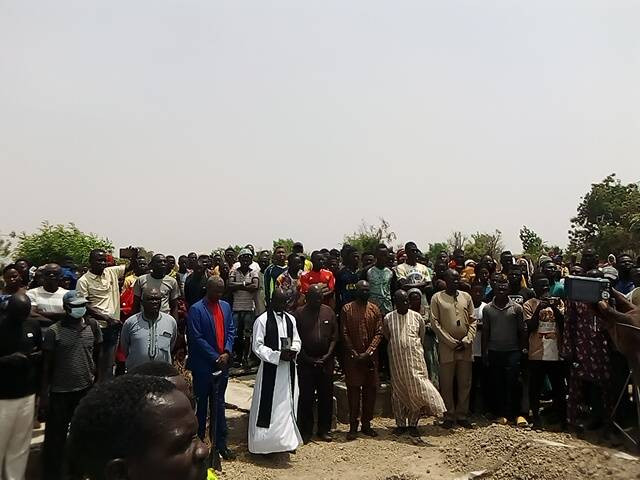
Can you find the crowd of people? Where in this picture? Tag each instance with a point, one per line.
(454, 337)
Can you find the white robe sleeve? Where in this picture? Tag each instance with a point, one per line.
(263, 352)
(296, 343)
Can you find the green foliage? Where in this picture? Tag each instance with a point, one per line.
(484, 244)
(220, 250)
(5, 248)
(608, 219)
(368, 236)
(143, 252)
(287, 243)
(55, 243)
(434, 249)
(532, 243)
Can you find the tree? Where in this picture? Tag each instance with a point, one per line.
(368, 236)
(5, 248)
(457, 241)
(484, 244)
(607, 218)
(287, 243)
(56, 243)
(434, 249)
(532, 243)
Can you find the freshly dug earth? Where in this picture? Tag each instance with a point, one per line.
(503, 452)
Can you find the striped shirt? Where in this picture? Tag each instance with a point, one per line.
(72, 349)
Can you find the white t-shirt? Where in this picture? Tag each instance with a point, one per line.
(47, 302)
(477, 341)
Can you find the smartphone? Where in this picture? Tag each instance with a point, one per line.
(126, 253)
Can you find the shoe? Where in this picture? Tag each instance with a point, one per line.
(594, 424)
(464, 423)
(537, 423)
(501, 421)
(448, 424)
(306, 439)
(521, 422)
(398, 431)
(369, 432)
(325, 437)
(413, 432)
(227, 454)
(352, 435)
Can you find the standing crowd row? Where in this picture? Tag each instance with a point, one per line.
(453, 335)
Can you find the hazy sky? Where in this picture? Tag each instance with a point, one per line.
(186, 125)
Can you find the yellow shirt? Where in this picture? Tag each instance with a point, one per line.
(103, 291)
(129, 280)
(453, 320)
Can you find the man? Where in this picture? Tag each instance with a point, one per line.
(264, 260)
(318, 330)
(26, 271)
(362, 333)
(452, 318)
(12, 280)
(211, 332)
(367, 261)
(244, 283)
(506, 261)
(625, 283)
(100, 287)
(458, 259)
(347, 277)
(272, 420)
(146, 429)
(298, 249)
(46, 300)
(545, 324)
(20, 350)
(158, 280)
(171, 266)
(634, 295)
(589, 260)
(556, 288)
(319, 275)
(183, 271)
(480, 377)
(504, 340)
(289, 281)
(195, 284)
(71, 352)
(411, 273)
(230, 257)
(413, 394)
(149, 335)
(273, 271)
(379, 278)
(140, 267)
(517, 293)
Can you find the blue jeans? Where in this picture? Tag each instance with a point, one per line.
(209, 392)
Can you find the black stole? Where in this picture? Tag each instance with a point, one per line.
(269, 370)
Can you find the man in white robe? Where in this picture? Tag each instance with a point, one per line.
(272, 420)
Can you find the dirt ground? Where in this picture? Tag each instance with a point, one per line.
(501, 452)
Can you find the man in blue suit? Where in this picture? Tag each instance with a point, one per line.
(211, 333)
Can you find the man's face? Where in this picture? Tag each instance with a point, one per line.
(506, 260)
(183, 263)
(295, 264)
(174, 449)
(230, 257)
(483, 275)
(334, 265)
(477, 294)
(541, 287)
(412, 254)
(443, 257)
(502, 288)
(141, 266)
(362, 291)
(635, 276)
(51, 275)
(549, 269)
(215, 292)
(279, 256)
(318, 261)
(452, 278)
(245, 261)
(159, 265)
(415, 301)
(368, 260)
(98, 263)
(589, 260)
(192, 261)
(314, 297)
(171, 263)
(204, 262)
(514, 276)
(624, 264)
(382, 256)
(263, 260)
(151, 304)
(402, 302)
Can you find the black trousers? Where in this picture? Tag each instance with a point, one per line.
(479, 399)
(504, 368)
(61, 408)
(314, 383)
(556, 373)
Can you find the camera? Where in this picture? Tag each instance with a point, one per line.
(586, 289)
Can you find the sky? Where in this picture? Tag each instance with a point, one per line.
(190, 125)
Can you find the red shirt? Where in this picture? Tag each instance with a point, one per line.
(218, 324)
(311, 278)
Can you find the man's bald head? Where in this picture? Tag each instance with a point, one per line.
(315, 295)
(18, 307)
(215, 288)
(278, 300)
